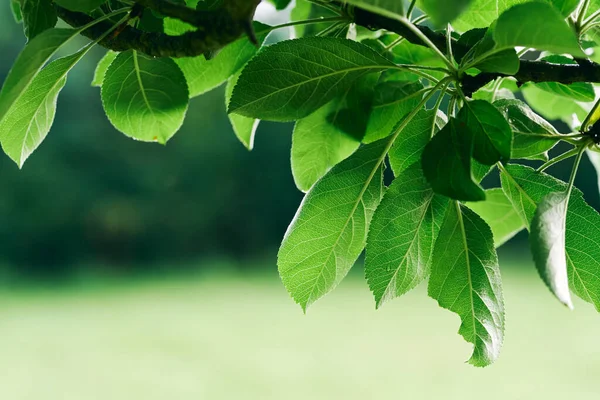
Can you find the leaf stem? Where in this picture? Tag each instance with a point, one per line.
(304, 22)
(437, 106)
(417, 32)
(582, 11)
(580, 150)
(411, 7)
(557, 159)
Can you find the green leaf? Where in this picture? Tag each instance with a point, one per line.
(392, 101)
(387, 8)
(38, 16)
(243, 127)
(409, 53)
(465, 279)
(291, 79)
(446, 163)
(553, 107)
(526, 188)
(102, 66)
(145, 98)
(579, 91)
(482, 13)
(489, 60)
(80, 5)
(408, 147)
(203, 75)
(330, 228)
(497, 211)
(443, 11)
(28, 65)
(318, 145)
(15, 7)
(565, 7)
(500, 88)
(533, 136)
(547, 240)
(302, 10)
(539, 25)
(280, 4)
(28, 122)
(492, 136)
(402, 234)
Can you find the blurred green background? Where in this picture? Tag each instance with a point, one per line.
(132, 270)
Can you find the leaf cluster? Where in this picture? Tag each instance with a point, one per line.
(364, 99)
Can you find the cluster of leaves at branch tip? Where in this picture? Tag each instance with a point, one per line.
(367, 86)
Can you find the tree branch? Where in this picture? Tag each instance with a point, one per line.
(529, 71)
(216, 29)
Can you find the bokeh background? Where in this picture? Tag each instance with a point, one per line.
(132, 270)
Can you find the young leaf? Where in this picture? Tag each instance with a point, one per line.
(291, 79)
(446, 163)
(402, 235)
(80, 5)
(243, 127)
(330, 228)
(533, 136)
(102, 66)
(506, 61)
(38, 16)
(526, 188)
(203, 75)
(408, 147)
(539, 25)
(547, 239)
(497, 211)
(318, 144)
(465, 279)
(26, 125)
(392, 101)
(145, 98)
(29, 63)
(492, 136)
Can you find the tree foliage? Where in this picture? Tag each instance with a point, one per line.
(430, 88)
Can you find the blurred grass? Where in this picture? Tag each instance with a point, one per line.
(236, 336)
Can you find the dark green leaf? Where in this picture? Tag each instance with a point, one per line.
(330, 228)
(547, 239)
(388, 8)
(465, 279)
(402, 235)
(491, 134)
(533, 136)
(15, 7)
(446, 163)
(145, 98)
(80, 5)
(38, 16)
(292, 79)
(497, 211)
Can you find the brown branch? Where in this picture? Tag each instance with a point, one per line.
(529, 71)
(215, 29)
